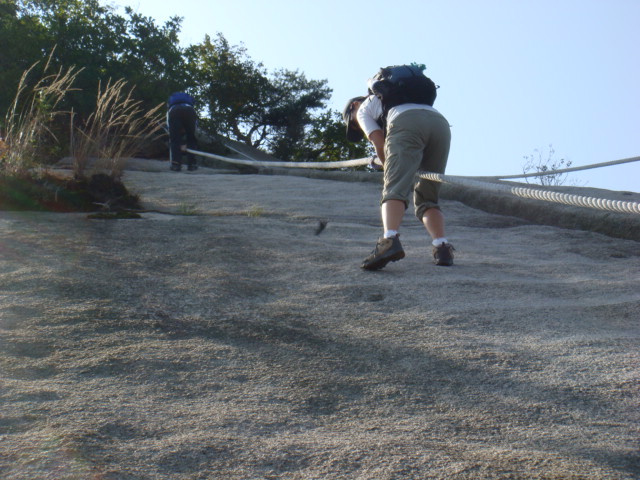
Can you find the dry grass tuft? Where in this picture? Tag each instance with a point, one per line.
(115, 130)
(26, 122)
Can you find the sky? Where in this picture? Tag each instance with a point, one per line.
(515, 76)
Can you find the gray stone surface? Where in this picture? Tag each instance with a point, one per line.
(220, 337)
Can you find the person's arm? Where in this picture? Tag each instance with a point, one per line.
(369, 111)
(377, 139)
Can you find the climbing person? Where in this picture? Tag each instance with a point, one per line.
(408, 135)
(181, 122)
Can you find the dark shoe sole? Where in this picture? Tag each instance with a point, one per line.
(381, 262)
(443, 263)
(443, 255)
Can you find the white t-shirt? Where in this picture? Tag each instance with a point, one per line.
(368, 114)
(371, 110)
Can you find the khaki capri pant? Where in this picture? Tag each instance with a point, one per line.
(416, 140)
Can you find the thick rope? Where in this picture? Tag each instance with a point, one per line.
(256, 163)
(525, 192)
(538, 194)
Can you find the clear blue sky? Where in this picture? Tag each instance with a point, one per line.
(515, 76)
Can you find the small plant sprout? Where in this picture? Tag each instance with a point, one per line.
(255, 211)
(187, 209)
(542, 163)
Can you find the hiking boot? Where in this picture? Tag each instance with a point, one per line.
(443, 254)
(191, 167)
(387, 250)
(176, 167)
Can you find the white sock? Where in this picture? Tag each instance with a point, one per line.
(390, 233)
(439, 241)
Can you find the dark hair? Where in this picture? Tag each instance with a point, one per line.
(354, 132)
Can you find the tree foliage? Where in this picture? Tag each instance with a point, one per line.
(22, 40)
(231, 88)
(293, 108)
(326, 141)
(88, 35)
(282, 112)
(244, 101)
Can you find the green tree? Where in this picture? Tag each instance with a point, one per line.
(83, 34)
(282, 112)
(91, 36)
(291, 111)
(231, 88)
(326, 141)
(152, 59)
(22, 38)
(243, 101)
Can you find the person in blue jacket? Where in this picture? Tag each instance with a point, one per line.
(181, 121)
